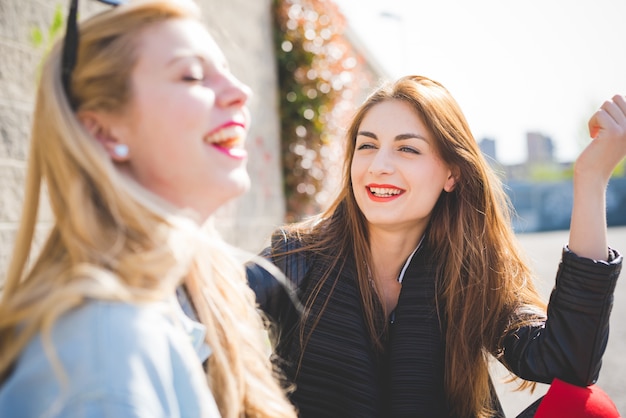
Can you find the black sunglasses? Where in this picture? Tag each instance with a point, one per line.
(70, 44)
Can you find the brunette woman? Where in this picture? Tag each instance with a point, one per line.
(413, 278)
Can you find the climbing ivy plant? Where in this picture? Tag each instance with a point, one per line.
(316, 70)
(41, 39)
(44, 40)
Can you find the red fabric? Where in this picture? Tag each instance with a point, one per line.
(565, 400)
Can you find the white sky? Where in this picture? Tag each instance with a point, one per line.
(513, 66)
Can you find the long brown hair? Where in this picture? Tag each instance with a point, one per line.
(111, 239)
(482, 277)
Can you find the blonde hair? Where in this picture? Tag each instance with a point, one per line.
(111, 239)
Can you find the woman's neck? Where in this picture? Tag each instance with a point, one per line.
(390, 250)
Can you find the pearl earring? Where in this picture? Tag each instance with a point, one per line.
(121, 150)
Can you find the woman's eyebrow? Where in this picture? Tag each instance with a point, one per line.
(188, 56)
(399, 137)
(367, 133)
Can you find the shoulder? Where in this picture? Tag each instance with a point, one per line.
(110, 353)
(108, 331)
(104, 331)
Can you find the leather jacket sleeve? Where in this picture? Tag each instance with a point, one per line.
(277, 299)
(268, 290)
(570, 343)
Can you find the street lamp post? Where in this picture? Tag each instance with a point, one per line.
(401, 43)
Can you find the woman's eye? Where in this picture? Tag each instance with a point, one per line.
(194, 73)
(410, 150)
(193, 78)
(365, 146)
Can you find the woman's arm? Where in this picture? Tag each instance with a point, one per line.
(569, 345)
(277, 282)
(592, 171)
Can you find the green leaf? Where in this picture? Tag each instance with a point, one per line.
(36, 37)
(58, 22)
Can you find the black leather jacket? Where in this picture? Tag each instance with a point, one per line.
(568, 345)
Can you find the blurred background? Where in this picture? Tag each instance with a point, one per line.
(527, 74)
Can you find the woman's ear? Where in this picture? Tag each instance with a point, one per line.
(100, 127)
(450, 183)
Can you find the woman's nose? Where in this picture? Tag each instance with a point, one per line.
(234, 92)
(381, 163)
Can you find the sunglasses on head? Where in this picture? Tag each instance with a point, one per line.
(70, 44)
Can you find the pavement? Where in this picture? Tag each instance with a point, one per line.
(544, 250)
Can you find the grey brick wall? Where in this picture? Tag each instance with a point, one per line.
(246, 39)
(244, 30)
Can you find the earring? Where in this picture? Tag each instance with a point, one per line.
(121, 150)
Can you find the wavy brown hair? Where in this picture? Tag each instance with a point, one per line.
(482, 277)
(111, 239)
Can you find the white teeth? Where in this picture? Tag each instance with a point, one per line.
(226, 134)
(384, 191)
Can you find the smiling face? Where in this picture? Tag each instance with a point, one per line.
(397, 175)
(187, 119)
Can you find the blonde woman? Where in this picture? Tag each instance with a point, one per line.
(138, 137)
(413, 278)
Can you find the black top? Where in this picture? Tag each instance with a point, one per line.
(340, 374)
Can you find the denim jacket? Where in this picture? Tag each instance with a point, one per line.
(118, 360)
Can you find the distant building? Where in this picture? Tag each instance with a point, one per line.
(540, 148)
(515, 172)
(488, 148)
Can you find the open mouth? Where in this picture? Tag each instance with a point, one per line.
(384, 191)
(228, 137)
(229, 140)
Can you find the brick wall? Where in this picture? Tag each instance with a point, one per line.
(246, 39)
(243, 28)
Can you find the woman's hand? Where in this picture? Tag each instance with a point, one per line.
(607, 127)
